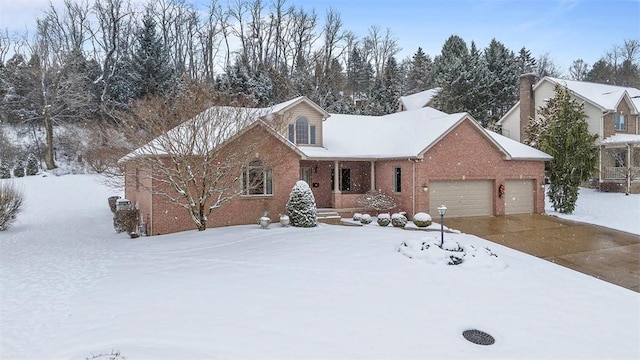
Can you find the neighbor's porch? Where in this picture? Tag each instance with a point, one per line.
(620, 167)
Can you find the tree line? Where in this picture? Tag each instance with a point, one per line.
(89, 61)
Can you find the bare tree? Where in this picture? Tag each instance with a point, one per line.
(545, 66)
(579, 70)
(195, 164)
(380, 47)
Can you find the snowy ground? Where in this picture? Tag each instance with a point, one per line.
(613, 210)
(72, 288)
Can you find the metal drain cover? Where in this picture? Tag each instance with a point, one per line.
(478, 337)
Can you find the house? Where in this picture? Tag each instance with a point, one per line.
(422, 157)
(612, 114)
(418, 100)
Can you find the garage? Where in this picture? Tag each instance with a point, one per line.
(462, 197)
(518, 197)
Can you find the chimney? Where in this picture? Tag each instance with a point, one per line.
(527, 102)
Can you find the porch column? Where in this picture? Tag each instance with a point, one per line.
(336, 176)
(373, 175)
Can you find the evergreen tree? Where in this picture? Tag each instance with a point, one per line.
(419, 74)
(18, 170)
(526, 62)
(151, 73)
(5, 171)
(568, 140)
(359, 75)
(478, 77)
(503, 88)
(302, 206)
(451, 74)
(32, 165)
(384, 95)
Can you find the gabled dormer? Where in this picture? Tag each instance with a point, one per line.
(622, 119)
(301, 121)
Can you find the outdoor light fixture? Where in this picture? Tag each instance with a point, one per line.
(442, 210)
(425, 187)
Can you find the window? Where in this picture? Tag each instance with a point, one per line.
(256, 180)
(302, 130)
(620, 122)
(305, 174)
(312, 134)
(292, 132)
(345, 179)
(397, 179)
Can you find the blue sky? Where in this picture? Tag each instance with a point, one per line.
(566, 29)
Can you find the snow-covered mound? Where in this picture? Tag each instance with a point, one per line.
(451, 253)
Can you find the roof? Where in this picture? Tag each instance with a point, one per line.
(226, 121)
(621, 139)
(604, 96)
(406, 134)
(420, 99)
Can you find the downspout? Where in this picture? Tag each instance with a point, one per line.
(413, 187)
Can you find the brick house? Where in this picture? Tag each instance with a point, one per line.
(612, 114)
(423, 158)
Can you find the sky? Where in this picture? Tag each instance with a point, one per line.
(566, 29)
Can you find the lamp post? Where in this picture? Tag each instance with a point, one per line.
(442, 210)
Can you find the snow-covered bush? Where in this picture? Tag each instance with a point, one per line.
(376, 200)
(365, 219)
(32, 165)
(398, 220)
(5, 170)
(384, 219)
(11, 200)
(422, 219)
(302, 206)
(357, 217)
(451, 253)
(18, 170)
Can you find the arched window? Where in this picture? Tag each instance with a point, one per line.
(302, 130)
(256, 179)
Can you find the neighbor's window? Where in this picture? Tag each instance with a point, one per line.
(302, 130)
(620, 121)
(397, 179)
(256, 179)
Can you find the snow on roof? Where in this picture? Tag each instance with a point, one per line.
(621, 139)
(404, 134)
(518, 150)
(605, 96)
(420, 99)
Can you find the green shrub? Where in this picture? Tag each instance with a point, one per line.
(398, 220)
(18, 170)
(32, 165)
(384, 219)
(5, 170)
(422, 219)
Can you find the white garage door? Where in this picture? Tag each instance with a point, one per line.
(462, 198)
(518, 197)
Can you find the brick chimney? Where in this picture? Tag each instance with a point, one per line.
(527, 102)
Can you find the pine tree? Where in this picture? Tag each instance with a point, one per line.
(5, 171)
(32, 165)
(572, 146)
(476, 102)
(302, 206)
(150, 64)
(526, 62)
(503, 88)
(451, 75)
(419, 74)
(18, 170)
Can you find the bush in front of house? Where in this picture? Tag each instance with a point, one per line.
(357, 217)
(18, 170)
(610, 187)
(32, 165)
(126, 221)
(376, 200)
(422, 219)
(5, 170)
(11, 200)
(302, 206)
(384, 219)
(365, 219)
(398, 220)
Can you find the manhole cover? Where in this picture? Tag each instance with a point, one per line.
(478, 337)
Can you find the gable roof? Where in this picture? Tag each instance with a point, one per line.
(240, 120)
(603, 96)
(406, 134)
(420, 99)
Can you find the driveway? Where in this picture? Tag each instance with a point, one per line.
(606, 254)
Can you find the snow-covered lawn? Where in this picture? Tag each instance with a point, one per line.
(613, 210)
(72, 288)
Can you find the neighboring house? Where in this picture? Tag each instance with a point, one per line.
(612, 114)
(423, 158)
(418, 100)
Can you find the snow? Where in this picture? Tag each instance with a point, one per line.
(419, 99)
(621, 139)
(607, 97)
(72, 287)
(421, 216)
(613, 210)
